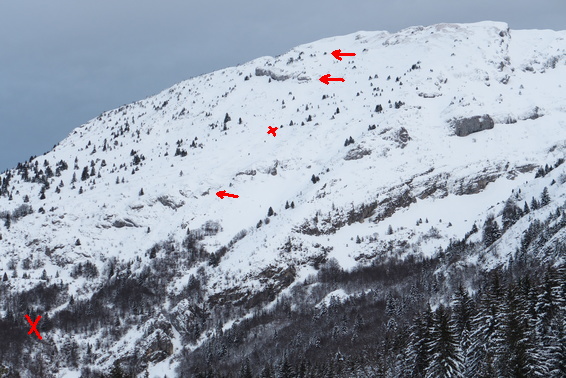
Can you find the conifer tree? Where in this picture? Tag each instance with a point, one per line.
(534, 204)
(549, 326)
(487, 331)
(463, 311)
(544, 197)
(85, 175)
(418, 357)
(245, 370)
(511, 214)
(445, 360)
(491, 230)
(516, 344)
(285, 370)
(116, 371)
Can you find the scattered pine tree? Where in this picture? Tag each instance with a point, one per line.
(544, 197)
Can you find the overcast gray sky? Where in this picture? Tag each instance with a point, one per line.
(63, 62)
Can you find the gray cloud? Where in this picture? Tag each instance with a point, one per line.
(64, 62)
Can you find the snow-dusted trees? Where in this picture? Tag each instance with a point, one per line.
(418, 351)
(245, 370)
(544, 197)
(549, 333)
(487, 332)
(116, 371)
(535, 205)
(491, 231)
(511, 213)
(462, 310)
(70, 352)
(517, 352)
(443, 348)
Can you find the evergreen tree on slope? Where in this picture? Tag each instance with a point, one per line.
(487, 328)
(418, 357)
(445, 359)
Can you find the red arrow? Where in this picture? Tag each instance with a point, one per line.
(223, 193)
(326, 79)
(338, 54)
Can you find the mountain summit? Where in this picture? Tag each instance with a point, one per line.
(436, 135)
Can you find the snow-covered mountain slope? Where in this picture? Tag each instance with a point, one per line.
(383, 164)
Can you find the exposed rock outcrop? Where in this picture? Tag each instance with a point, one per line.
(170, 202)
(402, 137)
(466, 126)
(119, 223)
(280, 75)
(272, 73)
(156, 343)
(357, 153)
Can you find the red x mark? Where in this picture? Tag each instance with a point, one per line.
(272, 130)
(34, 325)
